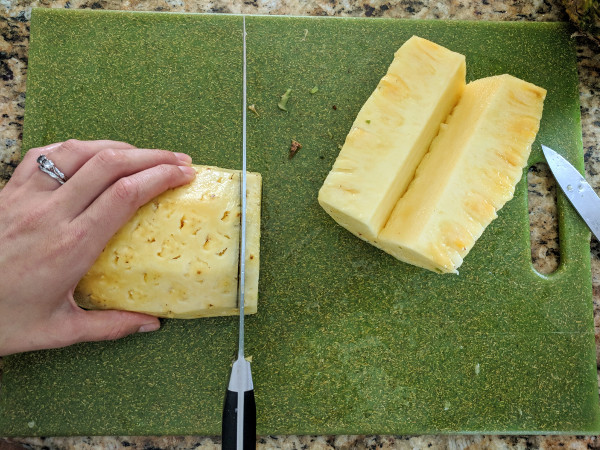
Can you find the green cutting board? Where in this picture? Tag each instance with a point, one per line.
(347, 339)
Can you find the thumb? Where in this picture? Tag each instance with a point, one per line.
(110, 325)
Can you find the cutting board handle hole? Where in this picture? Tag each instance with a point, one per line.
(543, 218)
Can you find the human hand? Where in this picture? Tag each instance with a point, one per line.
(50, 235)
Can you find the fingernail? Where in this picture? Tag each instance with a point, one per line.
(188, 171)
(187, 159)
(153, 326)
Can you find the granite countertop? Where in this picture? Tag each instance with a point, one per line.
(14, 40)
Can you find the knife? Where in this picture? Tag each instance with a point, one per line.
(578, 191)
(238, 427)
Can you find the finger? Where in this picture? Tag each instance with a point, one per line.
(108, 166)
(68, 157)
(111, 325)
(64, 151)
(78, 325)
(122, 200)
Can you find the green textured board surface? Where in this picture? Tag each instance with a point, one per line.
(347, 339)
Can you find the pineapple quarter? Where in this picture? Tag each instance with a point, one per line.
(469, 173)
(390, 135)
(178, 256)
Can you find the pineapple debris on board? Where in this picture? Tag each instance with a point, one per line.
(390, 135)
(469, 173)
(178, 256)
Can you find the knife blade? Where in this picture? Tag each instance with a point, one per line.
(581, 195)
(238, 427)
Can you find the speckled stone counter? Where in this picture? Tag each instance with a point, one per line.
(14, 38)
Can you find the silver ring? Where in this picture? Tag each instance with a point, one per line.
(48, 167)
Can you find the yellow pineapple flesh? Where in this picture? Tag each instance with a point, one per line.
(178, 256)
(469, 173)
(390, 135)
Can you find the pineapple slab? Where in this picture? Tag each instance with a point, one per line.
(178, 256)
(390, 135)
(469, 173)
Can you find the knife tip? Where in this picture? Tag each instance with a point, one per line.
(547, 151)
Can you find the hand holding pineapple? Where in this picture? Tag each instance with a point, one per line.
(50, 235)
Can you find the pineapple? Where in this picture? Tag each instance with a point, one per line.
(390, 135)
(178, 256)
(469, 173)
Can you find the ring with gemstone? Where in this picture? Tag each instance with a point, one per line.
(48, 167)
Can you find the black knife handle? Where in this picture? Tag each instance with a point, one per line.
(229, 424)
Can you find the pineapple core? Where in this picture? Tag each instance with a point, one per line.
(469, 173)
(178, 256)
(390, 135)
